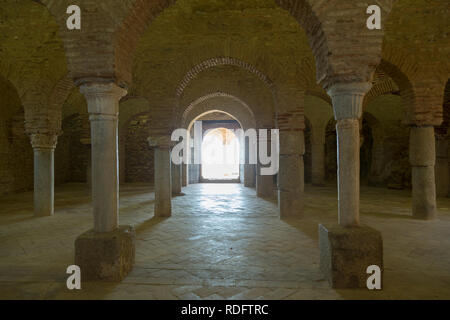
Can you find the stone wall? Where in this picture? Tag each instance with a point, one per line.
(71, 156)
(139, 157)
(384, 149)
(390, 142)
(307, 157)
(16, 154)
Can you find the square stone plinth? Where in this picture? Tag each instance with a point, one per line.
(106, 256)
(345, 254)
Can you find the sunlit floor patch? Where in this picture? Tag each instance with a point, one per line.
(221, 242)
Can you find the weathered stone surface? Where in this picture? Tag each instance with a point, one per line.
(105, 256)
(423, 193)
(290, 204)
(345, 254)
(422, 148)
(176, 178)
(163, 183)
(43, 182)
(264, 185)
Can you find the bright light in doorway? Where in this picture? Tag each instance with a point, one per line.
(220, 155)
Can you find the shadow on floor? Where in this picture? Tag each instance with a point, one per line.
(386, 215)
(134, 207)
(149, 224)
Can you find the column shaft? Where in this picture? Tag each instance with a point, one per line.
(89, 169)
(176, 178)
(264, 183)
(347, 131)
(249, 175)
(105, 175)
(103, 108)
(291, 174)
(184, 177)
(422, 156)
(43, 181)
(347, 106)
(163, 183)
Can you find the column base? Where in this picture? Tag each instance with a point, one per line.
(345, 254)
(163, 210)
(47, 212)
(290, 205)
(105, 256)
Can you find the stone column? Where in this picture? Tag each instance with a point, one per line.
(422, 157)
(184, 173)
(176, 178)
(291, 174)
(103, 108)
(264, 183)
(318, 159)
(347, 105)
(87, 143)
(442, 173)
(249, 175)
(347, 249)
(163, 179)
(44, 181)
(107, 251)
(249, 168)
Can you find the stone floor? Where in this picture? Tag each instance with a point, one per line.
(222, 242)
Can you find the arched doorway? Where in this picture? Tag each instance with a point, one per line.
(220, 155)
(217, 151)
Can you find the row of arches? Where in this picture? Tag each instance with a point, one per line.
(142, 50)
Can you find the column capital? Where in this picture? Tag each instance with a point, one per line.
(348, 99)
(161, 142)
(43, 141)
(97, 92)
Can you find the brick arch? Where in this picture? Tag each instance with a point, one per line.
(219, 101)
(319, 94)
(61, 92)
(143, 12)
(421, 86)
(223, 61)
(197, 88)
(28, 66)
(48, 119)
(126, 114)
(59, 95)
(220, 61)
(6, 83)
(303, 12)
(403, 81)
(387, 86)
